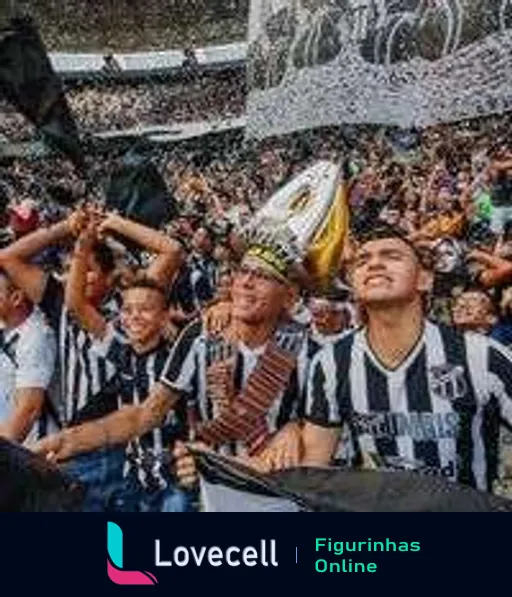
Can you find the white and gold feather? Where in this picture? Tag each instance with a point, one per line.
(303, 203)
(306, 219)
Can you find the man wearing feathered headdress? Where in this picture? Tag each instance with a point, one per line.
(244, 384)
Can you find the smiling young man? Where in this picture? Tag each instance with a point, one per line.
(138, 356)
(86, 377)
(415, 395)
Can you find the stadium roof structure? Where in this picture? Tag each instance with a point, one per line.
(149, 135)
(128, 65)
(178, 132)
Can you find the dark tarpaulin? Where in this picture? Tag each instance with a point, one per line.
(28, 81)
(137, 191)
(228, 486)
(29, 484)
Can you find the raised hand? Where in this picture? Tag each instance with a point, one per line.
(217, 318)
(78, 220)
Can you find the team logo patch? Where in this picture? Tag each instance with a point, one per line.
(448, 381)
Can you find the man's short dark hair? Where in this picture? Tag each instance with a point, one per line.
(148, 284)
(209, 231)
(381, 231)
(104, 256)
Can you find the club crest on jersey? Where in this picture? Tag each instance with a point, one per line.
(448, 381)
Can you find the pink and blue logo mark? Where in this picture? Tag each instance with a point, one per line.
(116, 573)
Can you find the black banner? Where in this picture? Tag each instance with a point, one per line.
(138, 191)
(28, 81)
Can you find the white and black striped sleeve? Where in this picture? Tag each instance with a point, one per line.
(326, 402)
(500, 378)
(181, 370)
(111, 346)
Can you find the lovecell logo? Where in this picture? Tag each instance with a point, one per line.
(115, 561)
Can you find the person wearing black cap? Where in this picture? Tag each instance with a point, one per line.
(415, 395)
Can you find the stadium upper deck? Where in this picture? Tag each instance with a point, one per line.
(122, 25)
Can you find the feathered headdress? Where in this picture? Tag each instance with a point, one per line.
(301, 229)
(273, 242)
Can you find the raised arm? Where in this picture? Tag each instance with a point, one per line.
(31, 244)
(503, 165)
(169, 254)
(15, 258)
(87, 314)
(118, 428)
(496, 270)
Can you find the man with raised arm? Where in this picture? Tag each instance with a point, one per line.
(138, 353)
(257, 390)
(86, 377)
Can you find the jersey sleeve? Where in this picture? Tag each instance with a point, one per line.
(500, 378)
(325, 403)
(180, 371)
(36, 355)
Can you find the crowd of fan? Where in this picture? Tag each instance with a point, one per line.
(103, 107)
(452, 190)
(448, 188)
(87, 25)
(448, 184)
(115, 108)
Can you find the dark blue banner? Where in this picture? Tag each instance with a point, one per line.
(230, 554)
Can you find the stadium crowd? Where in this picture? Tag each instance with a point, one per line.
(103, 107)
(94, 329)
(90, 26)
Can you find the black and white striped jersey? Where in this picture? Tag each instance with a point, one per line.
(84, 375)
(438, 412)
(195, 284)
(202, 272)
(186, 372)
(136, 373)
